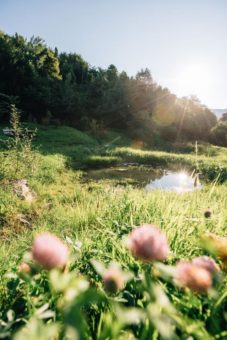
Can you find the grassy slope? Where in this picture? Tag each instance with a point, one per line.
(65, 206)
(99, 214)
(81, 151)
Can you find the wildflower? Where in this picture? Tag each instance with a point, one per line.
(208, 213)
(148, 243)
(49, 251)
(113, 279)
(193, 277)
(207, 263)
(24, 268)
(216, 244)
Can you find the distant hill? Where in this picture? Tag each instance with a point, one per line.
(219, 112)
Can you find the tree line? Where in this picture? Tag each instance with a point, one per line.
(62, 88)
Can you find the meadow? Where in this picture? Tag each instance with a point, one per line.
(93, 218)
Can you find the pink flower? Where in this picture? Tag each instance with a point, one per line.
(113, 280)
(49, 251)
(218, 245)
(207, 263)
(148, 243)
(24, 268)
(193, 277)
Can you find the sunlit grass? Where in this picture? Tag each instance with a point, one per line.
(88, 211)
(100, 213)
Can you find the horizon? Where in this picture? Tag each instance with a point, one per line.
(181, 44)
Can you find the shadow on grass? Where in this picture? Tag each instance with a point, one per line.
(81, 150)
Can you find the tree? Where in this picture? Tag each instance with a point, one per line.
(224, 117)
(52, 85)
(219, 133)
(144, 76)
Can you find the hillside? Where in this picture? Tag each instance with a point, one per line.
(93, 216)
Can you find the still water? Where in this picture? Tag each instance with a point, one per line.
(175, 181)
(147, 177)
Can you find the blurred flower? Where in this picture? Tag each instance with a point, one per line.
(49, 251)
(217, 245)
(24, 268)
(207, 263)
(193, 277)
(148, 243)
(113, 279)
(208, 213)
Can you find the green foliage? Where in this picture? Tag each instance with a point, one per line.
(92, 219)
(17, 160)
(219, 133)
(29, 68)
(54, 88)
(52, 137)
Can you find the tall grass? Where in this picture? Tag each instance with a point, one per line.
(99, 215)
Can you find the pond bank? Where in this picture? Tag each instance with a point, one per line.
(174, 179)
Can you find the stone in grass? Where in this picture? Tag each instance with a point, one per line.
(23, 219)
(23, 191)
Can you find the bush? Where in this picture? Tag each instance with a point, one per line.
(219, 133)
(18, 160)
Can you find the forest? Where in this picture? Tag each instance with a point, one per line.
(62, 88)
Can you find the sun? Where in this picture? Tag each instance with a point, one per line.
(195, 79)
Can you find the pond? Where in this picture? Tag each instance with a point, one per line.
(175, 181)
(147, 177)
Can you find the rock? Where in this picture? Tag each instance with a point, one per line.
(23, 219)
(23, 191)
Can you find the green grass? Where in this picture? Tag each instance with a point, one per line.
(56, 182)
(99, 214)
(52, 137)
(81, 150)
(65, 205)
(66, 208)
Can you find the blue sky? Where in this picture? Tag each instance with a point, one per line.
(182, 42)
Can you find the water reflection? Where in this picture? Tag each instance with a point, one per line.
(146, 177)
(175, 181)
(137, 176)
